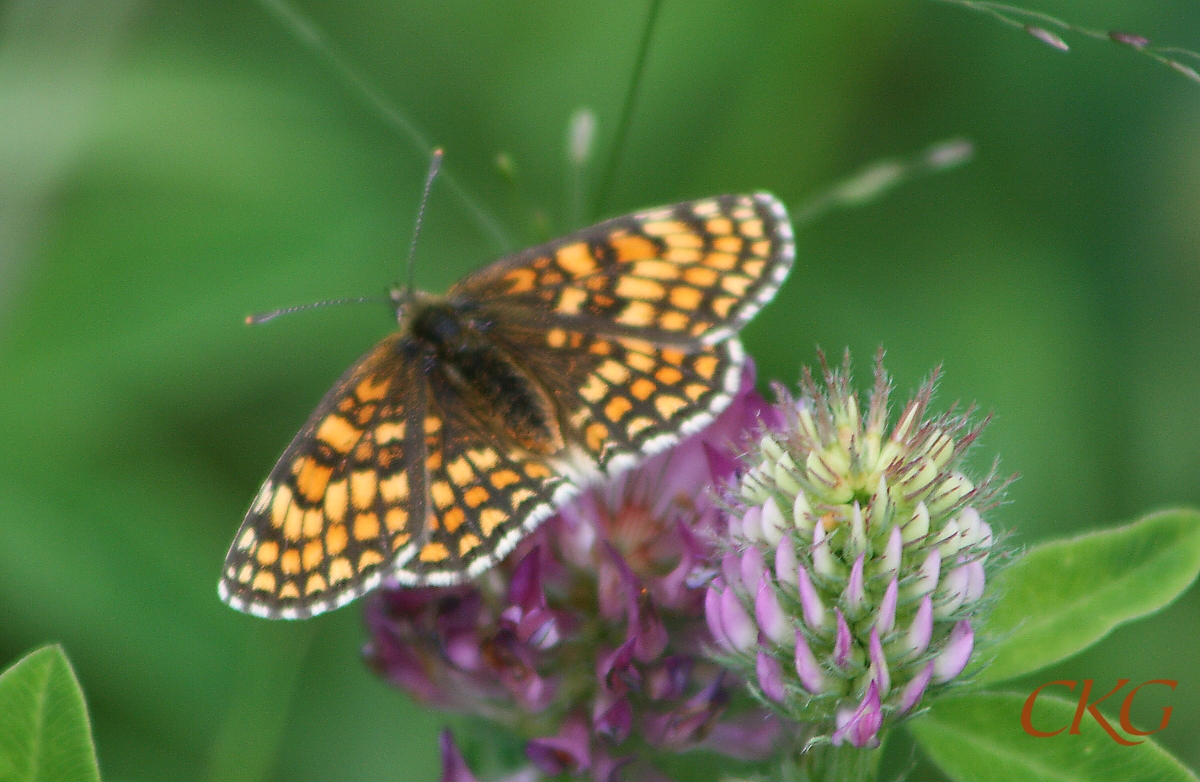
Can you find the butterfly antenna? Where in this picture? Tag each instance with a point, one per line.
(254, 320)
(435, 163)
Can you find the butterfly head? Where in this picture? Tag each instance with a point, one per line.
(413, 306)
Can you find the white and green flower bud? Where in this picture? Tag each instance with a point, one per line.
(917, 526)
(802, 515)
(774, 525)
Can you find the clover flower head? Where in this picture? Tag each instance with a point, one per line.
(852, 573)
(592, 632)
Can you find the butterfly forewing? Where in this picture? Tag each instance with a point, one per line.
(452, 439)
(337, 511)
(696, 271)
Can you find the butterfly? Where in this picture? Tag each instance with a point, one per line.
(492, 406)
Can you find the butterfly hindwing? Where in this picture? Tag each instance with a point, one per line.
(623, 398)
(485, 493)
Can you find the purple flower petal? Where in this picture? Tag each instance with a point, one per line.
(454, 768)
(770, 676)
(855, 590)
(610, 592)
(462, 649)
(615, 670)
(885, 620)
(712, 616)
(647, 629)
(510, 660)
(879, 667)
(400, 664)
(953, 592)
(731, 568)
(410, 603)
(612, 717)
(690, 722)
(670, 678)
(976, 581)
(630, 587)
(674, 590)
(913, 691)
(606, 768)
(721, 462)
(772, 621)
(525, 585)
(786, 563)
(843, 642)
(917, 638)
(860, 726)
(955, 654)
(752, 406)
(539, 629)
(736, 623)
(754, 736)
(458, 625)
(752, 567)
(569, 752)
(810, 601)
(807, 667)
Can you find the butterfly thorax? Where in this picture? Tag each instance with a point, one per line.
(453, 340)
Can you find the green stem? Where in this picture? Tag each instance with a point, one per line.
(827, 763)
(635, 81)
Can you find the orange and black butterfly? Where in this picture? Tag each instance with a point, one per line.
(493, 405)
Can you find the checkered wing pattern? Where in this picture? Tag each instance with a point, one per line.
(693, 272)
(452, 439)
(624, 398)
(618, 401)
(393, 475)
(485, 495)
(334, 515)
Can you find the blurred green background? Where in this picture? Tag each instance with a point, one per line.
(168, 168)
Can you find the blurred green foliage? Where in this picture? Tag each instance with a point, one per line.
(168, 168)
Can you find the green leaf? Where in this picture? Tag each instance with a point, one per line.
(44, 729)
(979, 738)
(1064, 596)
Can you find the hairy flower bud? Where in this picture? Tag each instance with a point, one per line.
(850, 612)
